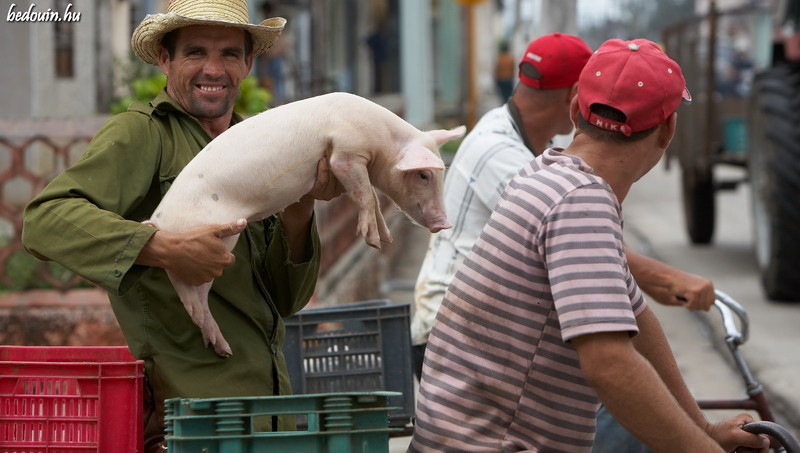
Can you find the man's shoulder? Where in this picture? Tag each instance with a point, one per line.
(495, 130)
(139, 125)
(498, 117)
(562, 175)
(557, 161)
(141, 107)
(137, 121)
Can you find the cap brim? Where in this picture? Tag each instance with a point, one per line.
(686, 97)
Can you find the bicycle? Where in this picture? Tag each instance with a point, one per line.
(736, 334)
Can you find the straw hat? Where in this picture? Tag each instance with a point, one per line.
(181, 13)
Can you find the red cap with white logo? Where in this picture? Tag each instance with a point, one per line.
(635, 77)
(553, 61)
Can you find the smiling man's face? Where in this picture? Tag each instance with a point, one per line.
(206, 70)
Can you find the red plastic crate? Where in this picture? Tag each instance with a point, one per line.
(57, 399)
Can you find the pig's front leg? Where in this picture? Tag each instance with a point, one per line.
(355, 180)
(383, 230)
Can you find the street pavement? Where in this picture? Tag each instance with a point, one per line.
(654, 225)
(653, 214)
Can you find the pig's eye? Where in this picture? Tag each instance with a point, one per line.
(424, 175)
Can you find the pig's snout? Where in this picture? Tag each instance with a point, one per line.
(433, 218)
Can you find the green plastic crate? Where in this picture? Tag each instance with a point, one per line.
(337, 423)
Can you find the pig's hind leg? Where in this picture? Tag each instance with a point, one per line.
(190, 299)
(195, 301)
(210, 329)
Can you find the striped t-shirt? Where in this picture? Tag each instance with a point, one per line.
(500, 373)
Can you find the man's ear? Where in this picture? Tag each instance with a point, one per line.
(573, 111)
(250, 60)
(667, 131)
(572, 93)
(163, 60)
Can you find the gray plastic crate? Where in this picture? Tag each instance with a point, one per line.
(363, 346)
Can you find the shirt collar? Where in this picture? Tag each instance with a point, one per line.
(163, 103)
(517, 119)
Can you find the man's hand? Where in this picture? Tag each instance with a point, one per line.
(695, 292)
(326, 187)
(688, 290)
(670, 286)
(732, 437)
(196, 256)
(296, 218)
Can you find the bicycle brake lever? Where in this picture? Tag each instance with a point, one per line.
(728, 307)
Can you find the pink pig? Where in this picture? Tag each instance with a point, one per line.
(262, 165)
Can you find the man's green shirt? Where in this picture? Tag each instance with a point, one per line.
(89, 220)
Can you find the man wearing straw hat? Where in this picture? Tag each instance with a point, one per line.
(96, 207)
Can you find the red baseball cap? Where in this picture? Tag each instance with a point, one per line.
(553, 61)
(635, 77)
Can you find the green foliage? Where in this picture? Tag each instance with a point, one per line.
(21, 270)
(450, 147)
(252, 98)
(143, 89)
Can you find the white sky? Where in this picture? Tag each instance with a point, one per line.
(595, 10)
(588, 10)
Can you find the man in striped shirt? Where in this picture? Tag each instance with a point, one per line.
(543, 321)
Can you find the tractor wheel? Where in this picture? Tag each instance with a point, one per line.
(698, 204)
(774, 168)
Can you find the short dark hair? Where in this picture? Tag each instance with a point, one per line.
(170, 40)
(610, 136)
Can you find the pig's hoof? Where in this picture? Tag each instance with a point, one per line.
(223, 350)
(213, 337)
(221, 347)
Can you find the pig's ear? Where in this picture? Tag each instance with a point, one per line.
(441, 135)
(415, 157)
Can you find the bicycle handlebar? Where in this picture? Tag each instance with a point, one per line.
(728, 307)
(777, 432)
(734, 337)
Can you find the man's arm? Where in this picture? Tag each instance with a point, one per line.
(646, 393)
(80, 220)
(653, 345)
(668, 285)
(634, 394)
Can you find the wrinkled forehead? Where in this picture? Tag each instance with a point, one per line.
(205, 35)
